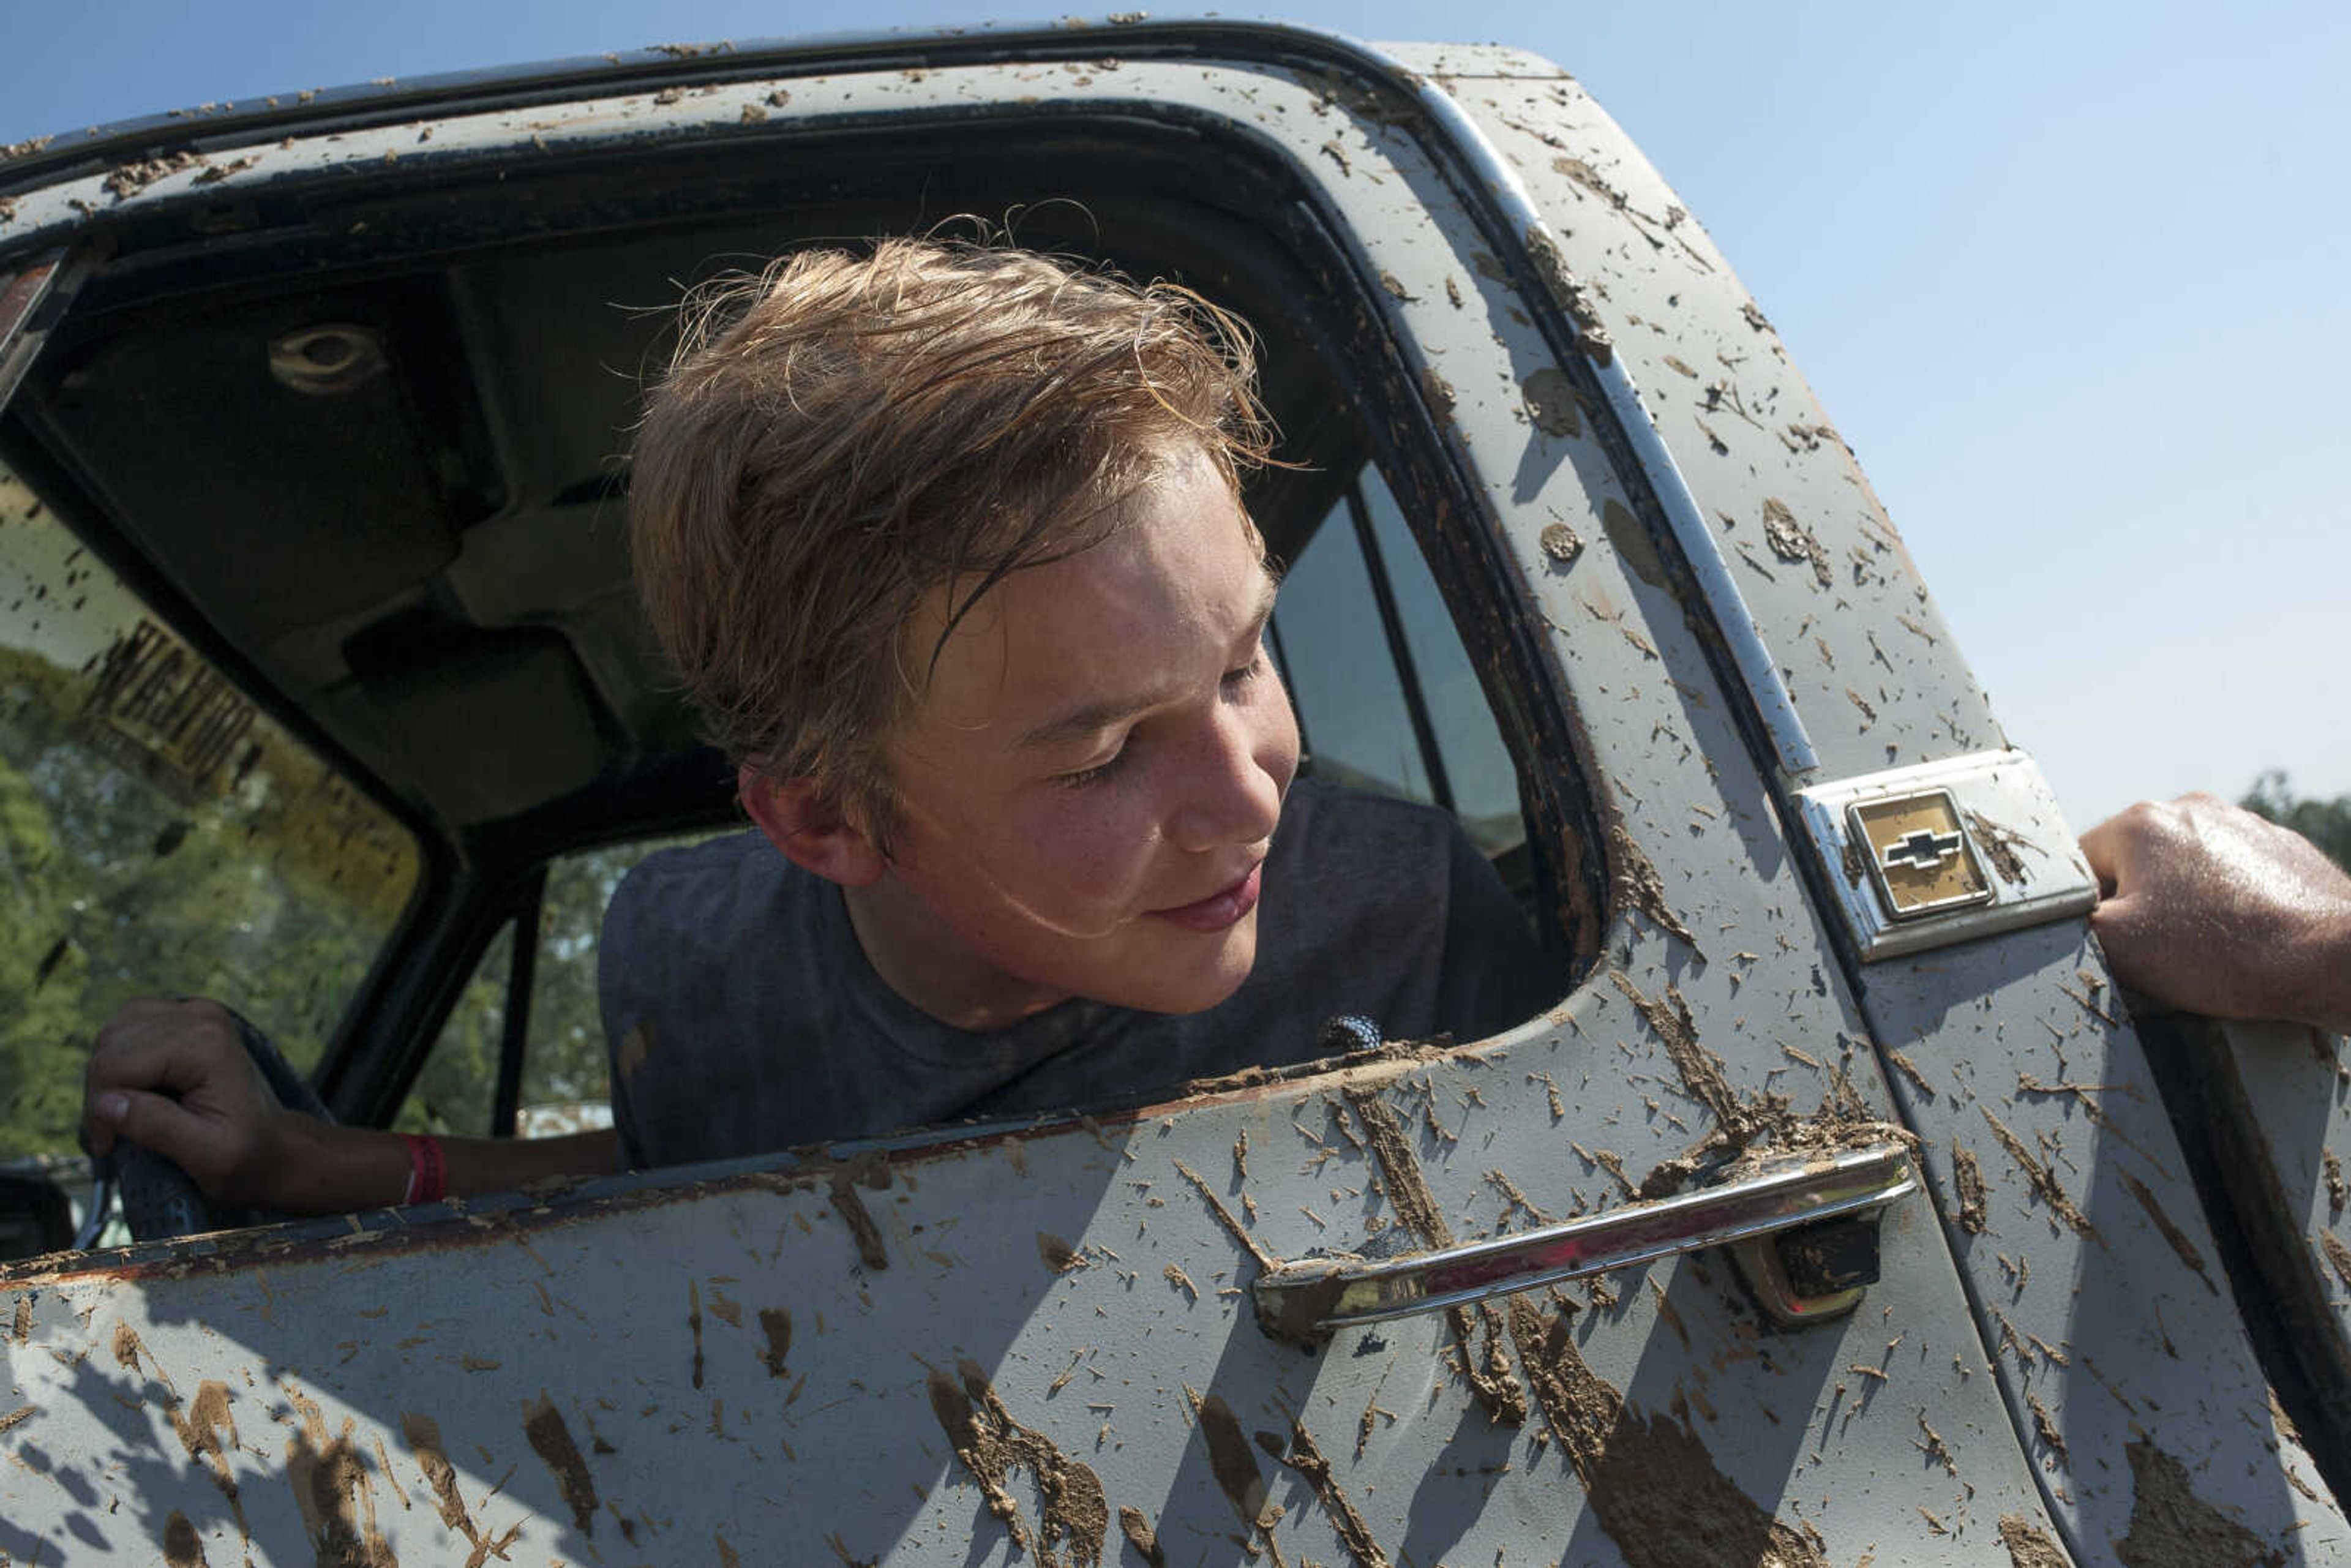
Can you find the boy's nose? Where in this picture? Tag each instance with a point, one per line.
(1235, 786)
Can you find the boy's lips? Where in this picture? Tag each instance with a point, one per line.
(1218, 910)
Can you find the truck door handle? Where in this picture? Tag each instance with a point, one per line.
(1308, 1297)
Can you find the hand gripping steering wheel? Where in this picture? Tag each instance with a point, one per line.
(158, 1200)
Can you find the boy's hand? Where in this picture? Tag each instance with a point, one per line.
(2210, 909)
(174, 1078)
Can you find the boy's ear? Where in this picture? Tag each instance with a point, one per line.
(808, 828)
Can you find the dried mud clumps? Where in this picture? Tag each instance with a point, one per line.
(2171, 1527)
(550, 1439)
(1141, 1536)
(1655, 1487)
(2044, 1181)
(1638, 885)
(1307, 1460)
(989, 1442)
(1568, 294)
(1791, 541)
(1551, 403)
(2028, 1547)
(1967, 1176)
(1477, 1353)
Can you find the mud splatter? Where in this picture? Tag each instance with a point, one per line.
(2028, 1547)
(1230, 1461)
(1551, 403)
(2044, 1426)
(1635, 549)
(335, 1493)
(1790, 540)
(775, 1322)
(1515, 1198)
(11, 1419)
(550, 1439)
(2338, 1194)
(1484, 1364)
(130, 1354)
(853, 1211)
(1909, 1070)
(635, 1047)
(1930, 1443)
(1566, 293)
(1056, 1254)
(1140, 1536)
(2338, 1255)
(2000, 845)
(24, 1330)
(423, 1435)
(1635, 882)
(693, 1325)
(1181, 1281)
(2171, 1526)
(1654, 1486)
(182, 1548)
(1700, 1070)
(1308, 1461)
(1439, 391)
(1225, 1217)
(130, 179)
(989, 1443)
(2172, 1233)
(2041, 1179)
(1408, 1192)
(199, 1427)
(1967, 1176)
(1562, 543)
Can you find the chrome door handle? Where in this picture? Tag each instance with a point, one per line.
(1310, 1297)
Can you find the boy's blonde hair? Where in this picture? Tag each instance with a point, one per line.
(845, 434)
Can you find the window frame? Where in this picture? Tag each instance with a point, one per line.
(466, 885)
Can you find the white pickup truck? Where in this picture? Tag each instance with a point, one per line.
(1832, 1214)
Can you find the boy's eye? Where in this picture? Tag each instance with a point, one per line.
(1094, 775)
(1248, 671)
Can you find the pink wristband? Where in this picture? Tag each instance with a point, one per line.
(428, 1171)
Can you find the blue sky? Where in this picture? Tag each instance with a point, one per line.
(2070, 280)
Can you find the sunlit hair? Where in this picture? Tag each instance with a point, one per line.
(845, 434)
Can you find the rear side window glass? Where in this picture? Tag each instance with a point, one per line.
(1478, 770)
(566, 1078)
(1387, 698)
(566, 1083)
(460, 1082)
(159, 835)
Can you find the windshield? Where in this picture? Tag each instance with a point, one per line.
(159, 835)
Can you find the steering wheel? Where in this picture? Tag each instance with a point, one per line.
(159, 1201)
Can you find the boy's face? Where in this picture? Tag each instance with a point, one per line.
(1090, 782)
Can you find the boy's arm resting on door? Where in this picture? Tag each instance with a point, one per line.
(2208, 908)
(173, 1077)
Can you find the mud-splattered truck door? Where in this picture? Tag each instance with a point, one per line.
(1835, 1023)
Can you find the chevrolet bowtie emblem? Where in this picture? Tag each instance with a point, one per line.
(1918, 855)
(1923, 850)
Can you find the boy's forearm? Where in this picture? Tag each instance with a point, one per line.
(329, 1169)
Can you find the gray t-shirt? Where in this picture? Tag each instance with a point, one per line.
(743, 1017)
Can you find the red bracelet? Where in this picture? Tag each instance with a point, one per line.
(428, 1171)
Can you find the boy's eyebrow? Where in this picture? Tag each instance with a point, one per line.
(1093, 717)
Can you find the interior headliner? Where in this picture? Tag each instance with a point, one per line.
(374, 449)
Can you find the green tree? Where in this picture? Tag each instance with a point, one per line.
(2326, 823)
